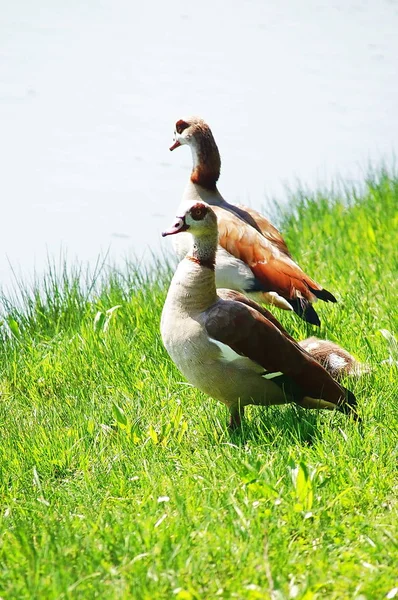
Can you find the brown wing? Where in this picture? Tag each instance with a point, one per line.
(238, 297)
(276, 271)
(284, 278)
(268, 230)
(251, 334)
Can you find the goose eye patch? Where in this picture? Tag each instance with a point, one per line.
(198, 212)
(181, 125)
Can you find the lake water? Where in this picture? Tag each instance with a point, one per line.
(89, 93)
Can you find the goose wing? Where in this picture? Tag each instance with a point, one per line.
(268, 230)
(249, 333)
(274, 270)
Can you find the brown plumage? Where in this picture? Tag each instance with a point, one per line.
(267, 229)
(335, 359)
(249, 333)
(234, 296)
(276, 270)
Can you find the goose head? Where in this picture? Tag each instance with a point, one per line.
(197, 218)
(196, 134)
(190, 131)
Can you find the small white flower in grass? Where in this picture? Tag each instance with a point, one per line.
(252, 587)
(135, 478)
(163, 499)
(368, 565)
(294, 590)
(392, 593)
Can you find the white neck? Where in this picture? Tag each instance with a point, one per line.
(193, 287)
(195, 155)
(203, 249)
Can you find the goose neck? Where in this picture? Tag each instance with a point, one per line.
(194, 282)
(203, 251)
(206, 162)
(194, 286)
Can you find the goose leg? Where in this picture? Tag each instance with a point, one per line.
(236, 416)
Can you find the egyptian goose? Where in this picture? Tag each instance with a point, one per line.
(227, 345)
(252, 256)
(335, 359)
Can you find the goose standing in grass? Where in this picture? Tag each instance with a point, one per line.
(252, 256)
(227, 345)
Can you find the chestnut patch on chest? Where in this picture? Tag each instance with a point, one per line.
(203, 262)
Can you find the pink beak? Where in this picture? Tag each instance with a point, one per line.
(178, 226)
(175, 145)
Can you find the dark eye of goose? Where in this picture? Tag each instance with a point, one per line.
(181, 125)
(198, 212)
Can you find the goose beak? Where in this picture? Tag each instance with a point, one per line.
(179, 225)
(175, 145)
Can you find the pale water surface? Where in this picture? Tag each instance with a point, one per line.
(90, 91)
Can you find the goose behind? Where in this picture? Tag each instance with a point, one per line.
(252, 255)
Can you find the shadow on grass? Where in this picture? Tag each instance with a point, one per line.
(287, 425)
(290, 425)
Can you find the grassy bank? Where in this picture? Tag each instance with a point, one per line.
(118, 480)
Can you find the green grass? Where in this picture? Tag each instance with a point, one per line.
(118, 480)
